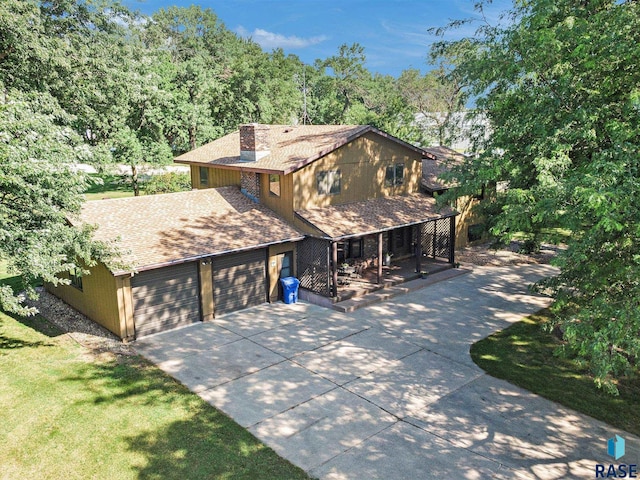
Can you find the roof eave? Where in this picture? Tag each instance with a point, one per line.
(360, 131)
(381, 230)
(194, 258)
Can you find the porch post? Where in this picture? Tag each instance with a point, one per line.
(419, 249)
(334, 267)
(452, 239)
(379, 258)
(435, 235)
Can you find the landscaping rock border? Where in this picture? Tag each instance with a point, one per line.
(77, 326)
(487, 254)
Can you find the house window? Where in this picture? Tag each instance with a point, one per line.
(274, 185)
(76, 277)
(394, 175)
(399, 239)
(355, 248)
(342, 251)
(204, 177)
(350, 249)
(328, 182)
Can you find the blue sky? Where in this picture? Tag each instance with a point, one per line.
(393, 32)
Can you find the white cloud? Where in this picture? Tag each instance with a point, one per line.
(270, 40)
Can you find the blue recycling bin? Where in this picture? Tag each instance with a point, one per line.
(290, 289)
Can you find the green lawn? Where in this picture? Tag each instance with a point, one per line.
(113, 186)
(7, 279)
(523, 354)
(67, 414)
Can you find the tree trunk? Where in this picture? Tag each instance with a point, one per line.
(134, 180)
(192, 137)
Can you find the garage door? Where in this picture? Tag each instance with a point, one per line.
(165, 298)
(239, 281)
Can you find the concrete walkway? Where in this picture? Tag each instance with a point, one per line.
(388, 391)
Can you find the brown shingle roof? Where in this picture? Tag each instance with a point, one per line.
(371, 216)
(291, 147)
(432, 168)
(174, 227)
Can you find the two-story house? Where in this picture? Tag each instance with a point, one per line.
(268, 201)
(437, 161)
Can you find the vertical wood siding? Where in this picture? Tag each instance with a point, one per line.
(274, 267)
(98, 298)
(218, 177)
(363, 165)
(283, 204)
(466, 218)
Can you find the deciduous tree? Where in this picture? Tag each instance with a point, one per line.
(39, 190)
(559, 82)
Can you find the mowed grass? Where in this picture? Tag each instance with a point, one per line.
(70, 414)
(523, 354)
(112, 186)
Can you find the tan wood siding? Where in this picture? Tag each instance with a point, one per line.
(98, 298)
(275, 253)
(125, 307)
(362, 164)
(466, 218)
(218, 177)
(306, 227)
(283, 204)
(195, 178)
(206, 290)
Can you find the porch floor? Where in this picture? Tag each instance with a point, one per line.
(399, 271)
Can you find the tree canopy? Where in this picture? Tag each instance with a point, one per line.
(560, 84)
(90, 81)
(39, 192)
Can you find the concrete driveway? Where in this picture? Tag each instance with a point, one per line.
(388, 391)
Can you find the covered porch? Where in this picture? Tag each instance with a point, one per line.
(398, 272)
(369, 245)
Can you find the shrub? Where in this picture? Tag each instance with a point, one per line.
(168, 182)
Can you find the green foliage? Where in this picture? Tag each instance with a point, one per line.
(559, 84)
(167, 183)
(103, 186)
(525, 355)
(90, 81)
(39, 191)
(67, 413)
(437, 96)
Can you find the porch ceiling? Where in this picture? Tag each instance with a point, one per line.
(373, 216)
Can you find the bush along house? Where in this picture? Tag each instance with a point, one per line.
(337, 206)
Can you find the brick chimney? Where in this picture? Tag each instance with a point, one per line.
(254, 142)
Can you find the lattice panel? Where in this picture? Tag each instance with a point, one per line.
(436, 238)
(313, 265)
(443, 240)
(428, 234)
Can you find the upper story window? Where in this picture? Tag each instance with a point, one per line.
(328, 182)
(274, 185)
(394, 175)
(204, 177)
(76, 277)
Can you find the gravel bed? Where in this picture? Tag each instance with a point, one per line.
(486, 254)
(80, 328)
